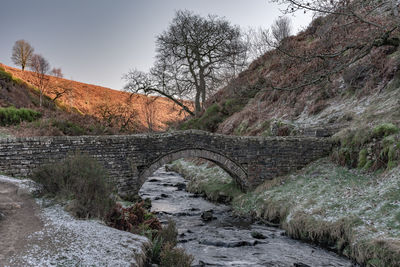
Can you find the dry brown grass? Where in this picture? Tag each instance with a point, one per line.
(86, 98)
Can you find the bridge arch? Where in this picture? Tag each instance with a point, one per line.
(227, 164)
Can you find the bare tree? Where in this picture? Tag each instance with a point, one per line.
(120, 116)
(281, 29)
(155, 83)
(22, 52)
(258, 42)
(40, 67)
(58, 90)
(150, 112)
(56, 72)
(193, 54)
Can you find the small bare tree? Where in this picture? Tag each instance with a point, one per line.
(22, 52)
(58, 90)
(56, 72)
(120, 116)
(281, 29)
(150, 112)
(258, 42)
(40, 67)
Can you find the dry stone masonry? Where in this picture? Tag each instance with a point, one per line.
(130, 159)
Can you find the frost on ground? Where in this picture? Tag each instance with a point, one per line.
(325, 200)
(66, 241)
(325, 203)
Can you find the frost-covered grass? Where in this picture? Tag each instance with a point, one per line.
(214, 182)
(355, 212)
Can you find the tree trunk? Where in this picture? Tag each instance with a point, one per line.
(197, 102)
(202, 88)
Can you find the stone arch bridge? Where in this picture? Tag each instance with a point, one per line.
(130, 159)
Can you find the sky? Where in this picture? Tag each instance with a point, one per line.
(97, 41)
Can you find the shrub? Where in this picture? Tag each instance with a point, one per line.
(172, 256)
(134, 219)
(12, 115)
(69, 128)
(209, 121)
(80, 178)
(233, 105)
(162, 250)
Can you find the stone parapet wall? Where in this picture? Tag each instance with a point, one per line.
(130, 159)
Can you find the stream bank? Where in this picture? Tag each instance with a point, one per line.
(352, 212)
(215, 237)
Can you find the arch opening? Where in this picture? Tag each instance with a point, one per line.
(228, 165)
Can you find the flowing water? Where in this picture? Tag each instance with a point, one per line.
(222, 239)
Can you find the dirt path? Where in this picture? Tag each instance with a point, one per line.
(21, 219)
(39, 232)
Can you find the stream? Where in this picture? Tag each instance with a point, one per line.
(215, 237)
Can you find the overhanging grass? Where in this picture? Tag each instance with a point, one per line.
(369, 148)
(213, 182)
(355, 213)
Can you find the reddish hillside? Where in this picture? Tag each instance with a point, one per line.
(89, 99)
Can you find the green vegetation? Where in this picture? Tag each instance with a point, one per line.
(12, 115)
(214, 115)
(213, 182)
(82, 181)
(163, 250)
(209, 121)
(370, 149)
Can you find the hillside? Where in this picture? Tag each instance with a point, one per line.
(97, 101)
(268, 96)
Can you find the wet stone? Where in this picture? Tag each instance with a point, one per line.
(257, 235)
(180, 186)
(208, 215)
